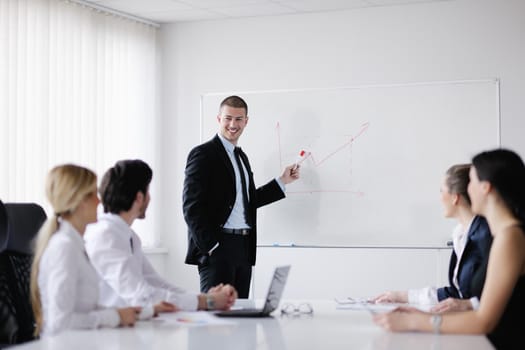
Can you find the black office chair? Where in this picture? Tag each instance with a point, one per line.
(19, 224)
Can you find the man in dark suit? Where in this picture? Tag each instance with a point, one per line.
(220, 203)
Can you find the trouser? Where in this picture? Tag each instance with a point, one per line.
(228, 264)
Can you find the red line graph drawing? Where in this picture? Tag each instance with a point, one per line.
(317, 163)
(363, 129)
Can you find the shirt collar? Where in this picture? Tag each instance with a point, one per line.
(460, 236)
(69, 230)
(471, 222)
(227, 144)
(117, 219)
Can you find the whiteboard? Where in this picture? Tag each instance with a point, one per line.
(375, 157)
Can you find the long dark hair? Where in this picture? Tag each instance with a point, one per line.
(505, 170)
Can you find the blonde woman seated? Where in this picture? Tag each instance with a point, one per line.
(64, 285)
(497, 190)
(471, 241)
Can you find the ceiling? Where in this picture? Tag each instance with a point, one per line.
(165, 11)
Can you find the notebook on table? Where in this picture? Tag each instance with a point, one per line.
(273, 297)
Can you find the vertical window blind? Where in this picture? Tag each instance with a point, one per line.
(76, 86)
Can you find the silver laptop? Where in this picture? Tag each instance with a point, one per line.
(272, 298)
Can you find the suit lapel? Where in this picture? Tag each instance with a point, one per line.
(223, 155)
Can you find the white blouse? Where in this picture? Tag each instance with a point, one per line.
(115, 251)
(69, 285)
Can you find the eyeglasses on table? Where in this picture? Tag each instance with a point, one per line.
(299, 309)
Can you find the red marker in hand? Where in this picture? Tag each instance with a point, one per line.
(300, 158)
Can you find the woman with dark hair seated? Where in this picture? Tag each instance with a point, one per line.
(497, 191)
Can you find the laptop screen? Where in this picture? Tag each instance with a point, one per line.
(276, 289)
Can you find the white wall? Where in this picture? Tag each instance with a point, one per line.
(448, 40)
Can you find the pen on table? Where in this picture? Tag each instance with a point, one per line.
(365, 305)
(358, 300)
(276, 244)
(299, 160)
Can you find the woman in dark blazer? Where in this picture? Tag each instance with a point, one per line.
(471, 241)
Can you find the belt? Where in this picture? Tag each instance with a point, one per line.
(237, 231)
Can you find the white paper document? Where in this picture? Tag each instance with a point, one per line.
(349, 303)
(192, 319)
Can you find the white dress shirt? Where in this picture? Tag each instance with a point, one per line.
(69, 285)
(115, 251)
(459, 240)
(428, 295)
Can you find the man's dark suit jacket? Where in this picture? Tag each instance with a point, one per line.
(209, 195)
(473, 262)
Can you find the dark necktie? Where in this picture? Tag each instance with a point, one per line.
(237, 153)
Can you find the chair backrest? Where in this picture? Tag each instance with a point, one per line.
(19, 224)
(23, 222)
(3, 227)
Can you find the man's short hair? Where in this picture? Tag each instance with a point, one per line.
(235, 102)
(121, 183)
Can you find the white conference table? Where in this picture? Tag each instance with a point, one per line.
(327, 328)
